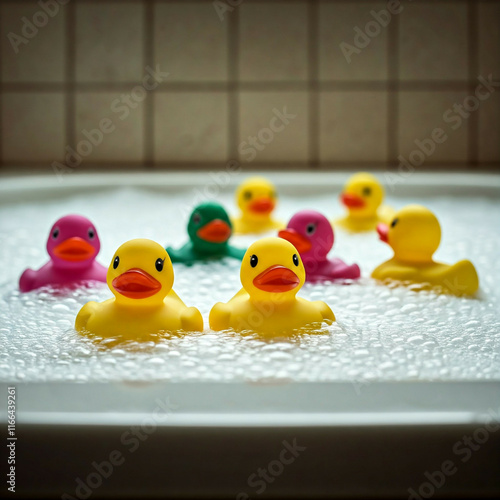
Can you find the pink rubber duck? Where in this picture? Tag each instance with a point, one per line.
(312, 235)
(73, 245)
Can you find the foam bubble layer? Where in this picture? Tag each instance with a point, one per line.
(382, 332)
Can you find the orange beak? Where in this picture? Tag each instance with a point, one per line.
(216, 231)
(383, 232)
(262, 205)
(276, 279)
(74, 249)
(136, 284)
(300, 242)
(352, 200)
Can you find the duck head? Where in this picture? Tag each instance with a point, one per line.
(73, 242)
(256, 197)
(140, 273)
(272, 270)
(414, 234)
(311, 233)
(209, 227)
(362, 195)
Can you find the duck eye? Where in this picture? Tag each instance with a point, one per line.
(159, 265)
(394, 222)
(247, 195)
(196, 218)
(55, 233)
(116, 262)
(91, 233)
(273, 194)
(254, 260)
(295, 259)
(311, 228)
(367, 191)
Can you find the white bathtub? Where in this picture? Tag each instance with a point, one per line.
(377, 400)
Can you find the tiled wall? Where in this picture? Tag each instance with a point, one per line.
(231, 80)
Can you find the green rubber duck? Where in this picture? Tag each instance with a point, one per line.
(209, 230)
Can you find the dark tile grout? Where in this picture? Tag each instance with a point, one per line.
(233, 91)
(393, 90)
(70, 75)
(149, 107)
(247, 1)
(493, 166)
(313, 78)
(1, 111)
(473, 70)
(262, 86)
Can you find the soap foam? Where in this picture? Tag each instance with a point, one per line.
(382, 332)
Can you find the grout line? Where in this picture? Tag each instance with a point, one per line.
(1, 112)
(393, 87)
(473, 71)
(313, 77)
(347, 85)
(233, 2)
(70, 74)
(269, 165)
(233, 87)
(149, 107)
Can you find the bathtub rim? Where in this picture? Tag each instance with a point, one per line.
(15, 189)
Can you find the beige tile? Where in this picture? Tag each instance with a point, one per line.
(120, 136)
(191, 126)
(340, 58)
(190, 42)
(273, 41)
(489, 38)
(420, 113)
(32, 126)
(489, 129)
(433, 41)
(353, 126)
(38, 57)
(277, 124)
(109, 41)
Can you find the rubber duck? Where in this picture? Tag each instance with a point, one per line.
(72, 245)
(256, 197)
(271, 273)
(312, 235)
(209, 230)
(362, 196)
(141, 277)
(414, 234)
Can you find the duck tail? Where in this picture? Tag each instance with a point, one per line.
(462, 278)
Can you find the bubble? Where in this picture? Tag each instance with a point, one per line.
(382, 332)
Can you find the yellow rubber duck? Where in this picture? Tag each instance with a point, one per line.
(271, 274)
(414, 234)
(256, 197)
(363, 196)
(141, 278)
